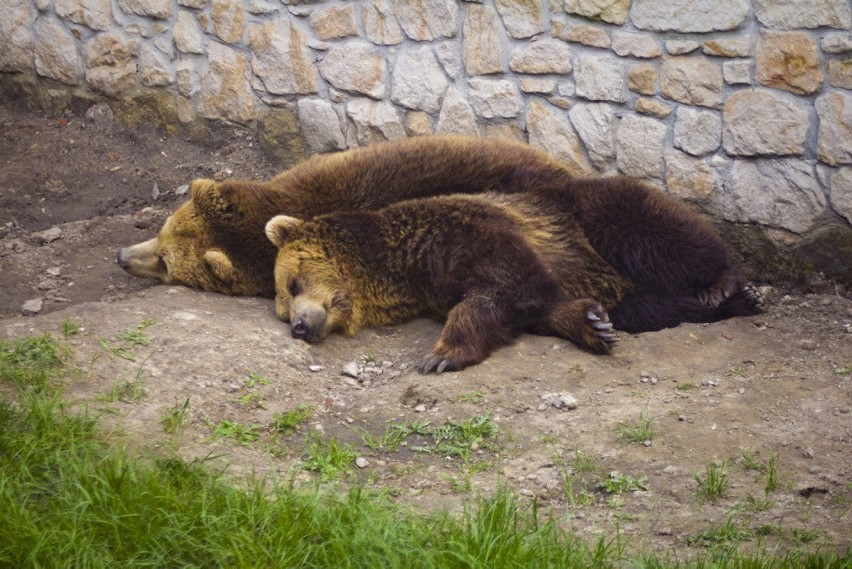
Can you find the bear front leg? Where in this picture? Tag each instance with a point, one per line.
(472, 331)
(584, 322)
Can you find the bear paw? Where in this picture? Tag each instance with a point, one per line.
(447, 357)
(726, 287)
(602, 337)
(753, 298)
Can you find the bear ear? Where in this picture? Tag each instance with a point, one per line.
(220, 265)
(209, 200)
(280, 228)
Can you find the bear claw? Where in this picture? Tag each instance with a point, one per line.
(436, 363)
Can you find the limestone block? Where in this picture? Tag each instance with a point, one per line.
(691, 80)
(790, 14)
(374, 121)
(839, 73)
(595, 124)
(482, 49)
(154, 8)
(507, 131)
(522, 18)
(789, 61)
(332, 22)
(16, 46)
(837, 43)
(491, 98)
(697, 132)
(448, 54)
(355, 66)
(456, 115)
(652, 107)
(737, 72)
(692, 179)
(538, 86)
(417, 124)
(187, 33)
(380, 23)
(591, 36)
(635, 45)
(320, 125)
(542, 57)
(153, 69)
(418, 81)
(229, 20)
(639, 147)
(110, 67)
(197, 4)
(834, 141)
(728, 47)
(642, 79)
(261, 7)
(841, 192)
(689, 15)
(426, 20)
(185, 78)
(55, 51)
(225, 88)
(681, 47)
(610, 11)
(92, 13)
(757, 122)
(782, 193)
(600, 78)
(282, 61)
(550, 131)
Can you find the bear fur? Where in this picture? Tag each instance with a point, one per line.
(548, 260)
(215, 241)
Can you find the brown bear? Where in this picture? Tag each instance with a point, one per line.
(495, 265)
(215, 241)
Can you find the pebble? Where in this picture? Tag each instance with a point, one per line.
(564, 401)
(351, 369)
(420, 408)
(32, 307)
(47, 284)
(182, 190)
(232, 387)
(53, 271)
(809, 452)
(315, 368)
(362, 462)
(50, 235)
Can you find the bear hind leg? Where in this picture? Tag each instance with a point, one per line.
(584, 322)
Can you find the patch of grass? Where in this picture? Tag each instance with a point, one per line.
(617, 483)
(638, 394)
(287, 422)
(583, 462)
(239, 432)
(70, 328)
(369, 357)
(639, 430)
(736, 371)
(727, 536)
(34, 362)
(803, 536)
(685, 386)
(175, 418)
(715, 483)
(752, 504)
(124, 391)
(137, 336)
(128, 339)
(772, 480)
(471, 397)
(253, 399)
(548, 439)
(254, 379)
(576, 492)
(116, 351)
(843, 370)
(393, 436)
(328, 458)
(454, 439)
(750, 461)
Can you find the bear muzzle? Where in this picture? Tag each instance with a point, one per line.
(308, 322)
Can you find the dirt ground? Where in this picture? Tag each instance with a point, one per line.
(779, 383)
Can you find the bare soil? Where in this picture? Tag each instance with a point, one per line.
(778, 383)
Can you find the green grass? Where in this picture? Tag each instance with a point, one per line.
(239, 432)
(287, 422)
(175, 418)
(639, 430)
(328, 458)
(459, 440)
(617, 483)
(393, 436)
(715, 482)
(70, 498)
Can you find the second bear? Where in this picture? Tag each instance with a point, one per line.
(549, 261)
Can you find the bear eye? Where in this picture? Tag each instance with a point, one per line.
(294, 287)
(162, 267)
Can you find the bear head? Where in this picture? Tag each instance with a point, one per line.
(196, 246)
(313, 291)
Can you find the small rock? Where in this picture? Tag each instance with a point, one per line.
(564, 401)
(362, 462)
(47, 284)
(809, 452)
(808, 345)
(741, 390)
(681, 418)
(50, 235)
(420, 408)
(232, 387)
(182, 190)
(155, 191)
(315, 368)
(351, 369)
(53, 271)
(32, 307)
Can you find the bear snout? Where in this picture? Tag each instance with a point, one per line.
(308, 324)
(119, 258)
(300, 329)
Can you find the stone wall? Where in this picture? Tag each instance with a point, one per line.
(742, 107)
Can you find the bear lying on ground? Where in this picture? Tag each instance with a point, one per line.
(549, 260)
(215, 241)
